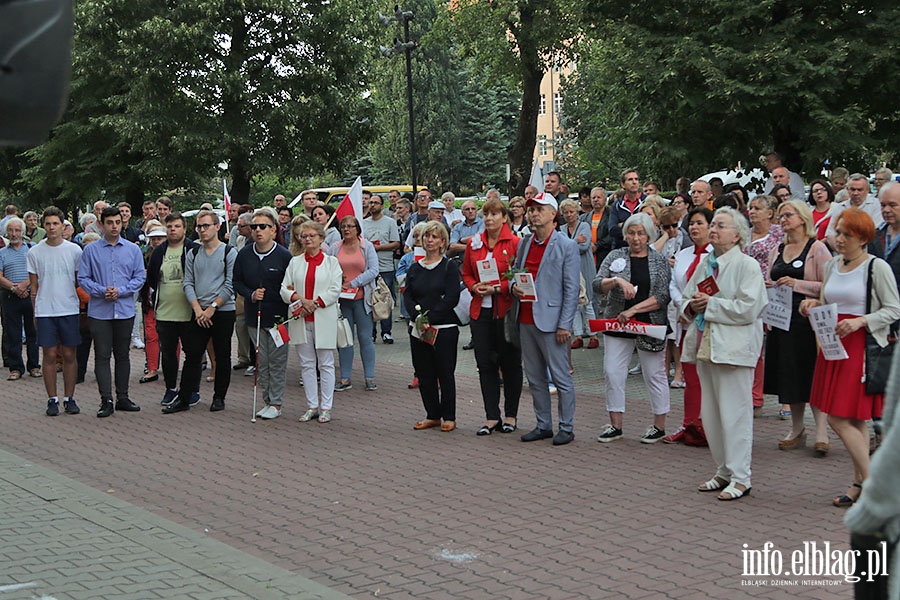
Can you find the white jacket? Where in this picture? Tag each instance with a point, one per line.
(327, 287)
(733, 315)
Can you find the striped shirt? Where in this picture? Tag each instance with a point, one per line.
(13, 263)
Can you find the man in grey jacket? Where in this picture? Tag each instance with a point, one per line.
(208, 273)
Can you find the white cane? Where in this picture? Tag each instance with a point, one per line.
(256, 361)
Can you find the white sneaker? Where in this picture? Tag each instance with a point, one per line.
(137, 343)
(272, 412)
(250, 371)
(635, 370)
(262, 411)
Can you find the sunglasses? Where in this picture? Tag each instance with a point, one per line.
(670, 226)
(255, 226)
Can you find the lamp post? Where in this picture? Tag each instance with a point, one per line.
(406, 46)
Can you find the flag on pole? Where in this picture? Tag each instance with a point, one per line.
(537, 179)
(352, 203)
(280, 335)
(226, 199)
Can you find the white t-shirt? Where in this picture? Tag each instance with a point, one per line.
(55, 267)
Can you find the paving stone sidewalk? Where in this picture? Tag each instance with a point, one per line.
(64, 540)
(367, 507)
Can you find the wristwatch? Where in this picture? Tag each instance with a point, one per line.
(214, 306)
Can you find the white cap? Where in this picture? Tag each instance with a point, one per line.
(544, 198)
(436, 205)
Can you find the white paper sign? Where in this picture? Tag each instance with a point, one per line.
(778, 310)
(823, 320)
(525, 282)
(487, 271)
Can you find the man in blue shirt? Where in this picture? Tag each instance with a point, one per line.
(112, 272)
(15, 299)
(471, 225)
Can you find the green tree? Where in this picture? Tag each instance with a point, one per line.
(464, 121)
(519, 40)
(688, 87)
(164, 92)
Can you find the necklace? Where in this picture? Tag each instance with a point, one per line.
(847, 261)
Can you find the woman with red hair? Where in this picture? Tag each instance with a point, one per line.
(864, 289)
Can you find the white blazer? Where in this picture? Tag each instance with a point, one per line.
(327, 287)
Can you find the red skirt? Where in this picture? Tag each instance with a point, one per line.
(837, 387)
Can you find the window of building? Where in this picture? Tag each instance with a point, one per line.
(542, 145)
(557, 102)
(543, 110)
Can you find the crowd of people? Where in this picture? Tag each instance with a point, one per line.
(534, 277)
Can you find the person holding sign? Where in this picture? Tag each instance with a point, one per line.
(636, 278)
(430, 295)
(797, 263)
(853, 280)
(550, 261)
(313, 280)
(723, 302)
(359, 263)
(488, 255)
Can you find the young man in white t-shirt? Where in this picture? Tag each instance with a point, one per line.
(52, 270)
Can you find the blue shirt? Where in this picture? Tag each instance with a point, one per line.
(14, 263)
(118, 265)
(462, 230)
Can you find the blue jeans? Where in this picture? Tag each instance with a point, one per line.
(355, 312)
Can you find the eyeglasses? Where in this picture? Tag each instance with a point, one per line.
(670, 226)
(783, 196)
(820, 191)
(263, 226)
(347, 227)
(204, 226)
(308, 236)
(786, 215)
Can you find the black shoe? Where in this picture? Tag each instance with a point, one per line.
(127, 405)
(71, 407)
(177, 406)
(106, 409)
(169, 397)
(563, 437)
(150, 379)
(195, 399)
(240, 366)
(52, 408)
(537, 434)
(469, 346)
(387, 338)
(217, 404)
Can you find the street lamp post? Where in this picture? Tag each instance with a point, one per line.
(404, 17)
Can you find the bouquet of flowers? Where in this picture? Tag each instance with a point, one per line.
(425, 331)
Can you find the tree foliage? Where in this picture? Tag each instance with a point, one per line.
(686, 87)
(164, 92)
(464, 121)
(520, 39)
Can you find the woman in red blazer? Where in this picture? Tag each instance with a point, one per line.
(488, 256)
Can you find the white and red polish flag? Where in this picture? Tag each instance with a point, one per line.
(351, 205)
(280, 335)
(225, 197)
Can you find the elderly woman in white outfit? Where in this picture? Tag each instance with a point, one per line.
(314, 278)
(724, 339)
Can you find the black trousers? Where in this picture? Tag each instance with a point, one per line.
(170, 333)
(18, 313)
(437, 364)
(194, 343)
(494, 355)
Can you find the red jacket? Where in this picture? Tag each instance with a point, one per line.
(505, 255)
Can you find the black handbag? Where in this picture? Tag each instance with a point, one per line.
(878, 359)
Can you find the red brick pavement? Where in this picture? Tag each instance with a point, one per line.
(368, 507)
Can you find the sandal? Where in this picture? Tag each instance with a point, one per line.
(677, 385)
(846, 500)
(734, 491)
(14, 376)
(713, 485)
